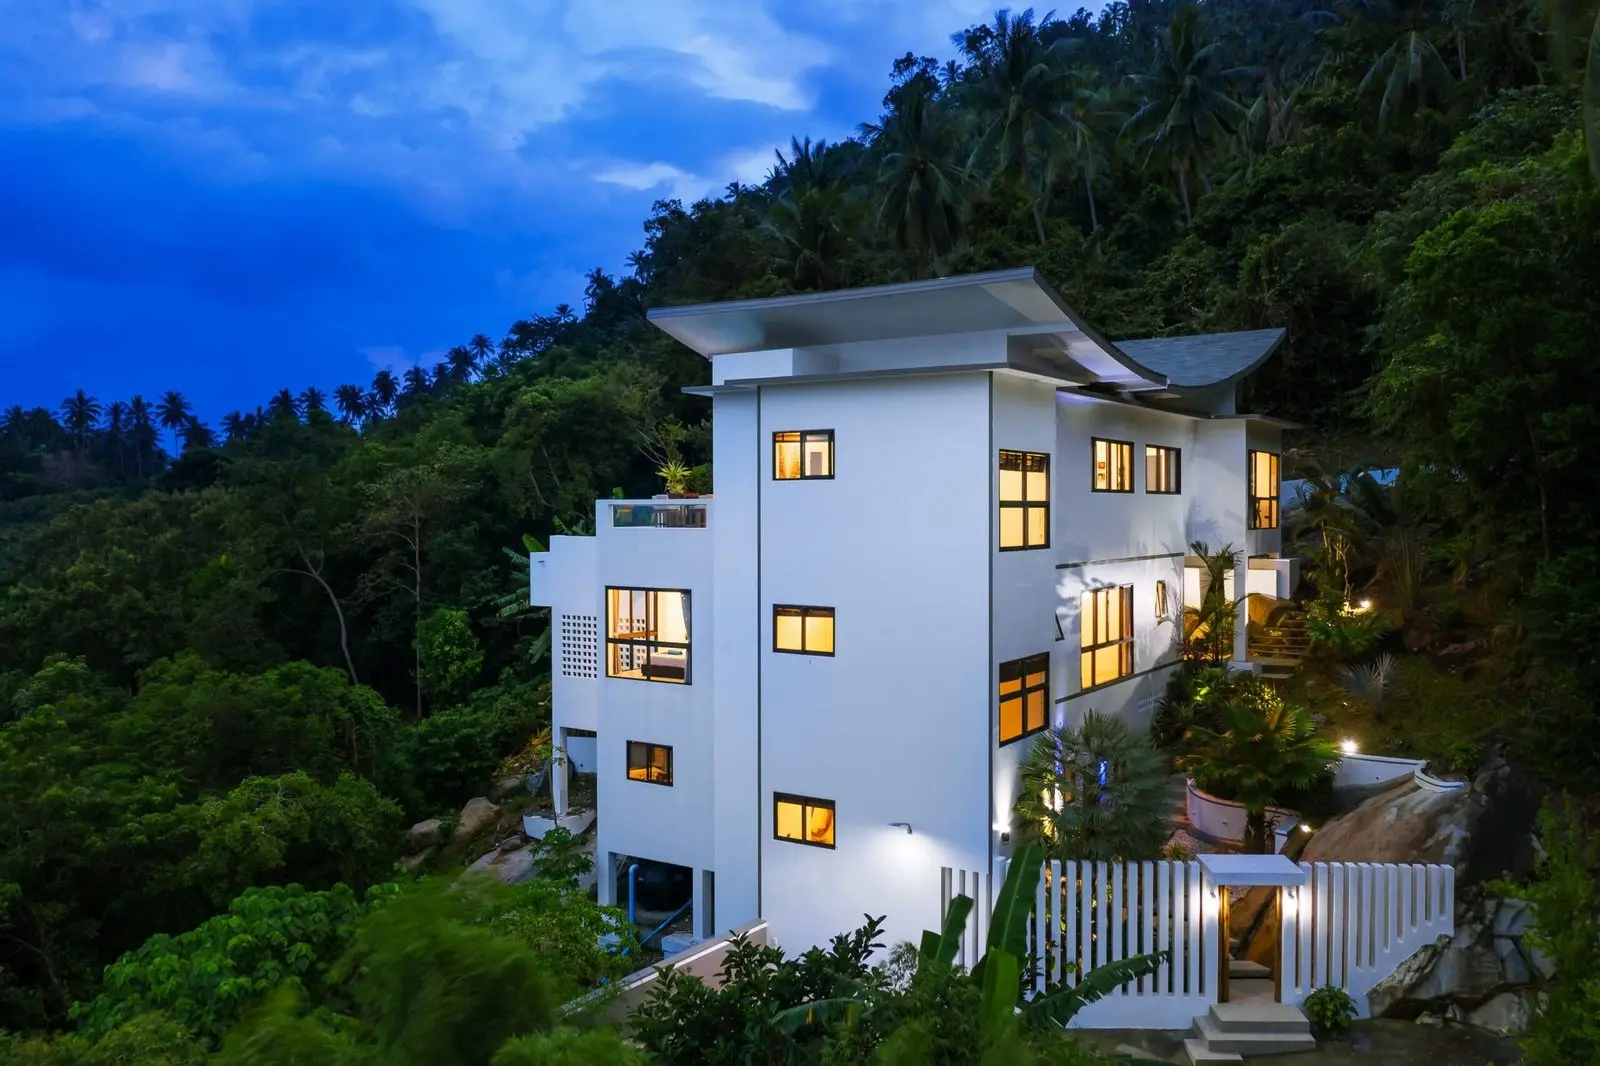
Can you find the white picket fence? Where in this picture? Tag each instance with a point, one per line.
(1353, 923)
(1350, 925)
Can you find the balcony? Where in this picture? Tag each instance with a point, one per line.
(660, 515)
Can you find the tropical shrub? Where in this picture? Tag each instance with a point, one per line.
(1196, 697)
(1098, 790)
(1208, 630)
(1342, 632)
(1330, 1009)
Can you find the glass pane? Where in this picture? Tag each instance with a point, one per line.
(1011, 485)
(1102, 460)
(1010, 719)
(1086, 620)
(1038, 520)
(1122, 467)
(1152, 469)
(1038, 486)
(786, 453)
(1011, 460)
(1161, 599)
(1011, 528)
(672, 617)
(819, 457)
(819, 825)
(1086, 669)
(819, 632)
(787, 629)
(1035, 716)
(1114, 615)
(789, 816)
(1108, 664)
(1036, 672)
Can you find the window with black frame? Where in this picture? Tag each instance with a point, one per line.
(1106, 635)
(1264, 490)
(1024, 500)
(647, 634)
(650, 763)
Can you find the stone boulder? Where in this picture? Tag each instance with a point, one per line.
(508, 785)
(477, 815)
(425, 834)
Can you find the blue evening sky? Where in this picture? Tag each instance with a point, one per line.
(228, 197)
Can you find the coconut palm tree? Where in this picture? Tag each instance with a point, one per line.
(414, 382)
(481, 347)
(233, 426)
(461, 361)
(1090, 119)
(350, 402)
(15, 422)
(1095, 791)
(141, 422)
(312, 399)
(811, 215)
(172, 410)
(196, 434)
(384, 390)
(284, 405)
(80, 413)
(116, 433)
(1410, 67)
(1187, 109)
(1261, 752)
(1015, 89)
(924, 191)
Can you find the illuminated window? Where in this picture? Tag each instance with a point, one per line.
(1024, 697)
(647, 634)
(799, 455)
(802, 819)
(1113, 465)
(1024, 500)
(1263, 490)
(1161, 599)
(1107, 635)
(651, 763)
(1163, 470)
(803, 630)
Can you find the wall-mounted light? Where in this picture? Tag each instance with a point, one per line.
(902, 825)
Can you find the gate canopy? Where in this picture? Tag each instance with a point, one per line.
(1252, 870)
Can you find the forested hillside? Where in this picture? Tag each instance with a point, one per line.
(248, 654)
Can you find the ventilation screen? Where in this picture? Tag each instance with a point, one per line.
(580, 645)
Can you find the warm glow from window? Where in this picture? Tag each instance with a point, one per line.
(804, 630)
(647, 634)
(1162, 470)
(1264, 490)
(799, 455)
(1024, 697)
(651, 763)
(1161, 599)
(1106, 635)
(1113, 465)
(1024, 500)
(803, 820)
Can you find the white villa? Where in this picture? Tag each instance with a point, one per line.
(947, 515)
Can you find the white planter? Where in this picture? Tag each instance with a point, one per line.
(535, 827)
(1223, 819)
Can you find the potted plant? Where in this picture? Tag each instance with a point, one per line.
(676, 474)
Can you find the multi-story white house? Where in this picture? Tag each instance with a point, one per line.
(947, 515)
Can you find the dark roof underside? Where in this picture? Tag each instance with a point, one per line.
(1206, 359)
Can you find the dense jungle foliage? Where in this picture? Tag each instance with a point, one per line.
(241, 658)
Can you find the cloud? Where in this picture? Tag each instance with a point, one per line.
(390, 357)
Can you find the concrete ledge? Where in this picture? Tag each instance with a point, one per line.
(534, 827)
(704, 960)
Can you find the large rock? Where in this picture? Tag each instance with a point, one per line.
(425, 835)
(475, 816)
(1509, 1012)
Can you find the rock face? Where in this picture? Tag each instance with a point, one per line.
(477, 814)
(425, 835)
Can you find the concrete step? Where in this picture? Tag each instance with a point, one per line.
(1198, 1053)
(1235, 1018)
(1244, 969)
(1250, 1043)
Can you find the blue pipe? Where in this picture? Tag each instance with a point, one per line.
(633, 872)
(672, 918)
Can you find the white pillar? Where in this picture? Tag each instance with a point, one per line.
(558, 775)
(605, 887)
(697, 905)
(1241, 617)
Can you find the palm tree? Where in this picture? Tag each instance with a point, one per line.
(1098, 791)
(351, 402)
(924, 190)
(233, 426)
(1187, 109)
(810, 215)
(313, 399)
(1410, 66)
(173, 411)
(1090, 119)
(80, 413)
(15, 421)
(145, 441)
(1016, 92)
(196, 434)
(284, 405)
(481, 348)
(460, 361)
(1261, 752)
(116, 431)
(565, 315)
(415, 382)
(384, 390)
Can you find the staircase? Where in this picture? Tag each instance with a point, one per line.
(1250, 1024)
(1280, 646)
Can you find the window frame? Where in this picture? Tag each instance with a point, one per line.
(1162, 602)
(1254, 498)
(806, 804)
(803, 436)
(648, 747)
(1039, 660)
(1175, 468)
(1086, 627)
(805, 612)
(646, 642)
(1128, 444)
(1025, 505)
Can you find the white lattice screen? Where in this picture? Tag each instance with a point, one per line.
(580, 645)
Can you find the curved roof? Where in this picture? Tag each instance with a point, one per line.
(1204, 359)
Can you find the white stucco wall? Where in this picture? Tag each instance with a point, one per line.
(893, 727)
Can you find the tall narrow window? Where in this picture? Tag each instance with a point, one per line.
(1163, 470)
(1024, 500)
(1107, 635)
(802, 454)
(1161, 599)
(647, 634)
(1113, 465)
(802, 819)
(1024, 697)
(1263, 490)
(803, 630)
(651, 763)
